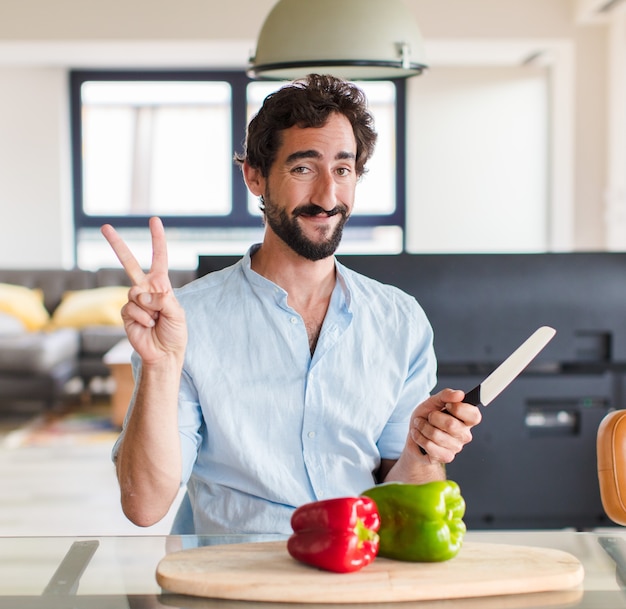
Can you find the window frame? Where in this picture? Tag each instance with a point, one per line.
(239, 217)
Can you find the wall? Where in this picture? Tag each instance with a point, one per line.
(40, 40)
(34, 168)
(591, 139)
(478, 160)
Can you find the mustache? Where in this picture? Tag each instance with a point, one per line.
(311, 209)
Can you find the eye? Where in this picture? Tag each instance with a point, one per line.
(300, 170)
(343, 171)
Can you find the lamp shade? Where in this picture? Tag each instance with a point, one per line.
(351, 39)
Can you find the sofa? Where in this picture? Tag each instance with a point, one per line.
(55, 327)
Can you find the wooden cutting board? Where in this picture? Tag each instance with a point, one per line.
(264, 571)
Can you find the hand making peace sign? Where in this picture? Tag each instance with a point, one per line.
(153, 319)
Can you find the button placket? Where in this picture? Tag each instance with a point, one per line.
(311, 434)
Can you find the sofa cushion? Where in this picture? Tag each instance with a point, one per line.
(97, 306)
(38, 352)
(97, 340)
(25, 304)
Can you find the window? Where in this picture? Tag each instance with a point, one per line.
(161, 143)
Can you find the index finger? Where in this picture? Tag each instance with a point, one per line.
(124, 255)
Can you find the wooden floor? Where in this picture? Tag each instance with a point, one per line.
(62, 490)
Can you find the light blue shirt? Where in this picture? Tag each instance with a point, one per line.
(265, 426)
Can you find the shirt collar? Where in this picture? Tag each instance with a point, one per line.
(343, 279)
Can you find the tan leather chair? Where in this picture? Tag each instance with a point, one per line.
(611, 454)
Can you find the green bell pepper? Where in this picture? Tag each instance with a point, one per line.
(419, 522)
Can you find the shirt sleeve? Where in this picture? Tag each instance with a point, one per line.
(190, 425)
(420, 380)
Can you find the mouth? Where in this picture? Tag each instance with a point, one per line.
(313, 211)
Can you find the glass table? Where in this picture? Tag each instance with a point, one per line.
(119, 572)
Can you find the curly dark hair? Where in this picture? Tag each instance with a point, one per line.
(307, 103)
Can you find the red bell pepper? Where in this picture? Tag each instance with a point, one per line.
(336, 534)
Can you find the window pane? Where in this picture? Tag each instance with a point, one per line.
(156, 147)
(107, 151)
(375, 192)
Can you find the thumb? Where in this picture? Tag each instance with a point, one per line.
(451, 395)
(438, 401)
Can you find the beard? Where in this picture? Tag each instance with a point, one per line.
(289, 230)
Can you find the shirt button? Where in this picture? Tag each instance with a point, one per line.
(294, 320)
(311, 434)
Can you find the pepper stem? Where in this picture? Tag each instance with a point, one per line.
(364, 533)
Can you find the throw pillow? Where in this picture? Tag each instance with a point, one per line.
(92, 307)
(25, 304)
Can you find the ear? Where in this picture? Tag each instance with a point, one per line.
(254, 180)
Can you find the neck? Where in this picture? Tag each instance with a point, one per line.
(305, 281)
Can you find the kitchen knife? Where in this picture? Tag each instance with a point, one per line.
(510, 368)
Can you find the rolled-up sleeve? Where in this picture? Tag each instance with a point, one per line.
(190, 425)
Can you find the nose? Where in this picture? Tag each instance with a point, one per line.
(325, 191)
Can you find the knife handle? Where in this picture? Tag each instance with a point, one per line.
(473, 397)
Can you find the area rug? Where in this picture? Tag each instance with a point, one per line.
(80, 427)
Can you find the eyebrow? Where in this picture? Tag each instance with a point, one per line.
(314, 154)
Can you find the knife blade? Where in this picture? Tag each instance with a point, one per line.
(484, 393)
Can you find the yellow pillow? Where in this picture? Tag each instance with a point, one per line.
(24, 303)
(93, 307)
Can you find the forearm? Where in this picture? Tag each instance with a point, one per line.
(149, 459)
(411, 470)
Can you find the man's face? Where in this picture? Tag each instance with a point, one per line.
(309, 193)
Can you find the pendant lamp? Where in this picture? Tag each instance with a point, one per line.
(351, 39)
